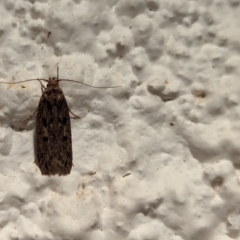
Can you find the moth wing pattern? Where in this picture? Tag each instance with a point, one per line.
(53, 133)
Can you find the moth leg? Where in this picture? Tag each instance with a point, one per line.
(43, 88)
(73, 114)
(27, 119)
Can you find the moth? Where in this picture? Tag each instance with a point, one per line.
(53, 138)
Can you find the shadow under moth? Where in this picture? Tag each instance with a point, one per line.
(53, 140)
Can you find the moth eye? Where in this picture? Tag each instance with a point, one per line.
(45, 139)
(44, 121)
(65, 138)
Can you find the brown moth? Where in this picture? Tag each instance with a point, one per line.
(53, 132)
(53, 138)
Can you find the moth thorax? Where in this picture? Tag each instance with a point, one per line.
(53, 82)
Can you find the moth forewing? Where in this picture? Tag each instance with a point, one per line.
(53, 132)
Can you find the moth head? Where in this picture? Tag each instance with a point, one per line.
(53, 82)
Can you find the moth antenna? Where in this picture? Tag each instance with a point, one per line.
(28, 80)
(69, 80)
(57, 72)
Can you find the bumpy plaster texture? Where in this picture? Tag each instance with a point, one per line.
(158, 158)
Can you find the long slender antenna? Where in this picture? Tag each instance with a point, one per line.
(69, 80)
(57, 72)
(28, 80)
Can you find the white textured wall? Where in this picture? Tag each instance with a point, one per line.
(157, 159)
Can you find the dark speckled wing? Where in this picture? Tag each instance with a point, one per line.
(53, 134)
